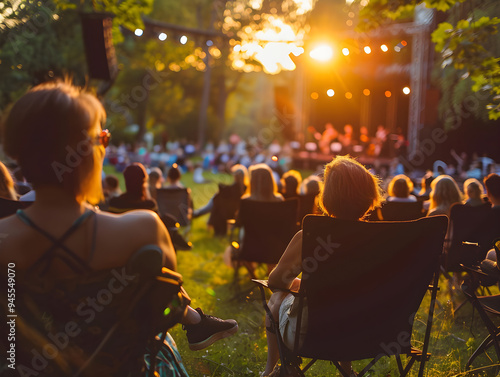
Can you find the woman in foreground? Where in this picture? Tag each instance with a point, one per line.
(349, 192)
(54, 133)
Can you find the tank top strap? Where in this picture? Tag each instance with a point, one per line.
(76, 263)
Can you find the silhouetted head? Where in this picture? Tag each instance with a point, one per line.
(400, 186)
(53, 132)
(492, 184)
(350, 190)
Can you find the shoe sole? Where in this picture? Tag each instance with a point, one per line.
(209, 341)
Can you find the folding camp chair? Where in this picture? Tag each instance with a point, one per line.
(98, 323)
(484, 305)
(177, 203)
(307, 205)
(362, 284)
(225, 206)
(470, 227)
(9, 207)
(400, 211)
(267, 227)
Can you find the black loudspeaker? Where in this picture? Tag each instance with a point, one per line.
(285, 111)
(98, 42)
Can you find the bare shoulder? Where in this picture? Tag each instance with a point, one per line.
(138, 228)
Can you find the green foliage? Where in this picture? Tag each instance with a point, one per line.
(465, 46)
(127, 13)
(37, 41)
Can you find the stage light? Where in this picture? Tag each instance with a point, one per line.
(330, 92)
(366, 92)
(348, 22)
(388, 94)
(237, 48)
(384, 48)
(406, 90)
(183, 40)
(314, 95)
(367, 49)
(345, 51)
(210, 43)
(348, 95)
(162, 36)
(138, 32)
(404, 43)
(322, 53)
(397, 48)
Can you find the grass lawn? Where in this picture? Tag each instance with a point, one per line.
(209, 282)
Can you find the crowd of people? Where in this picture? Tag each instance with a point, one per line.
(55, 118)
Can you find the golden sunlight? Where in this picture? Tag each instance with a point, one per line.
(322, 53)
(269, 38)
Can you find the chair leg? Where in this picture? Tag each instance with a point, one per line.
(485, 344)
(340, 369)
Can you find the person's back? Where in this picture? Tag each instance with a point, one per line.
(60, 246)
(263, 187)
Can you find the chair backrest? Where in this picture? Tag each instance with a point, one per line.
(225, 206)
(307, 204)
(96, 324)
(9, 207)
(479, 225)
(268, 228)
(175, 202)
(401, 211)
(364, 282)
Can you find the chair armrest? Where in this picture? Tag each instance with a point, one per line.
(265, 284)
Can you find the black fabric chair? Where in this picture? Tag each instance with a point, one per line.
(98, 323)
(400, 211)
(363, 282)
(9, 207)
(484, 305)
(226, 205)
(268, 227)
(307, 206)
(473, 230)
(177, 203)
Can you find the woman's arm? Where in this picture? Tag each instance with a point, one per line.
(289, 266)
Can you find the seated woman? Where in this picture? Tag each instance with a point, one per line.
(62, 238)
(400, 189)
(155, 181)
(263, 187)
(137, 195)
(349, 192)
(444, 194)
(473, 192)
(290, 183)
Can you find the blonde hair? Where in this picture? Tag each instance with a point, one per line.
(400, 186)
(445, 192)
(473, 186)
(7, 190)
(240, 174)
(50, 132)
(262, 184)
(349, 190)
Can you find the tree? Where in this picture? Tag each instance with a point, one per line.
(468, 45)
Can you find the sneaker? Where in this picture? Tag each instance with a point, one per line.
(209, 330)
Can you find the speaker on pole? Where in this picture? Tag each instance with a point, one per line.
(98, 42)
